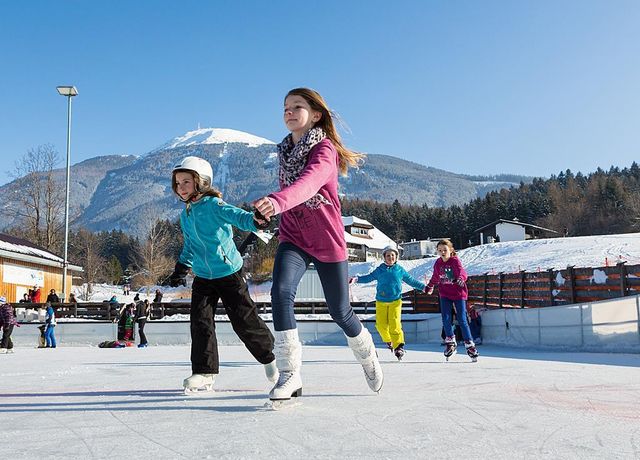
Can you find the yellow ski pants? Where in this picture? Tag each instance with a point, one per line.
(388, 316)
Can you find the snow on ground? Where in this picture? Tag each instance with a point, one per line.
(508, 257)
(86, 402)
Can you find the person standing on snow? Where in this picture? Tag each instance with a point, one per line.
(390, 276)
(211, 254)
(311, 230)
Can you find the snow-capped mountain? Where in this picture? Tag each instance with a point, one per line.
(204, 136)
(130, 193)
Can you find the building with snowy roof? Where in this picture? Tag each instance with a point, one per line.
(24, 265)
(503, 230)
(365, 242)
(420, 249)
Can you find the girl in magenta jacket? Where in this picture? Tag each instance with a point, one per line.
(451, 278)
(311, 231)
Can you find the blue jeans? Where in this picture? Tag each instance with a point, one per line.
(290, 264)
(49, 336)
(446, 308)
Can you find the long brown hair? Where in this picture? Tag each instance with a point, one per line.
(347, 158)
(202, 185)
(446, 242)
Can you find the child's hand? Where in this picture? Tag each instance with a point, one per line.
(460, 282)
(428, 290)
(353, 280)
(262, 223)
(265, 207)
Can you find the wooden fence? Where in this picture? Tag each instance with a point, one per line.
(542, 288)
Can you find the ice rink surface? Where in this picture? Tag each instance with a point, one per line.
(91, 403)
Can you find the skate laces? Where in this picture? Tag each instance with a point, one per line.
(284, 378)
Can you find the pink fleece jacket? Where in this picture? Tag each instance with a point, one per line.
(318, 232)
(445, 275)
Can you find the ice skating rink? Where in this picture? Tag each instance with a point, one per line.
(91, 403)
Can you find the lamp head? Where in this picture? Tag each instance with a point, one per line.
(68, 91)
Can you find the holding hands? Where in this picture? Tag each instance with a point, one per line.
(428, 290)
(261, 222)
(264, 206)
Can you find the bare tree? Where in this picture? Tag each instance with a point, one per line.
(38, 203)
(151, 259)
(86, 246)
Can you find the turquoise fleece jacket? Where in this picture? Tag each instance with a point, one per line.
(390, 280)
(208, 237)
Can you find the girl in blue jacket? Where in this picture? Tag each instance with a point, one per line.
(390, 276)
(209, 251)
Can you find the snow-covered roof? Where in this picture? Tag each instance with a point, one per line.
(353, 220)
(514, 222)
(378, 239)
(215, 136)
(10, 246)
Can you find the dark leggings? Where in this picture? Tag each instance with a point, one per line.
(290, 264)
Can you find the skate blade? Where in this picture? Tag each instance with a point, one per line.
(207, 389)
(279, 404)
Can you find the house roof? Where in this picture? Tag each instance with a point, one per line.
(376, 238)
(18, 248)
(353, 220)
(514, 222)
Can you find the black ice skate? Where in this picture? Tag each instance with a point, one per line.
(390, 346)
(471, 350)
(399, 351)
(450, 347)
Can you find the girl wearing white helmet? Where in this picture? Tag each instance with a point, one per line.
(209, 251)
(389, 276)
(311, 230)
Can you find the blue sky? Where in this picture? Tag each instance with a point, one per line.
(476, 87)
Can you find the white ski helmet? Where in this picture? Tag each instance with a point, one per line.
(391, 247)
(196, 164)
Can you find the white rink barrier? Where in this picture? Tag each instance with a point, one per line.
(78, 333)
(605, 326)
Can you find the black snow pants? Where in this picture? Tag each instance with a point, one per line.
(143, 338)
(6, 337)
(242, 313)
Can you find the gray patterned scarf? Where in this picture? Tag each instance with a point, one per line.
(293, 159)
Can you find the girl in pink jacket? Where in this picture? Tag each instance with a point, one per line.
(311, 231)
(451, 278)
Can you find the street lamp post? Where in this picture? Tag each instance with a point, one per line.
(68, 92)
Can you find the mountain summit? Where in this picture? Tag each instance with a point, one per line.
(203, 136)
(130, 193)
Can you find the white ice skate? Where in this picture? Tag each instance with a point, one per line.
(271, 371)
(365, 352)
(199, 383)
(288, 351)
(3, 351)
(286, 391)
